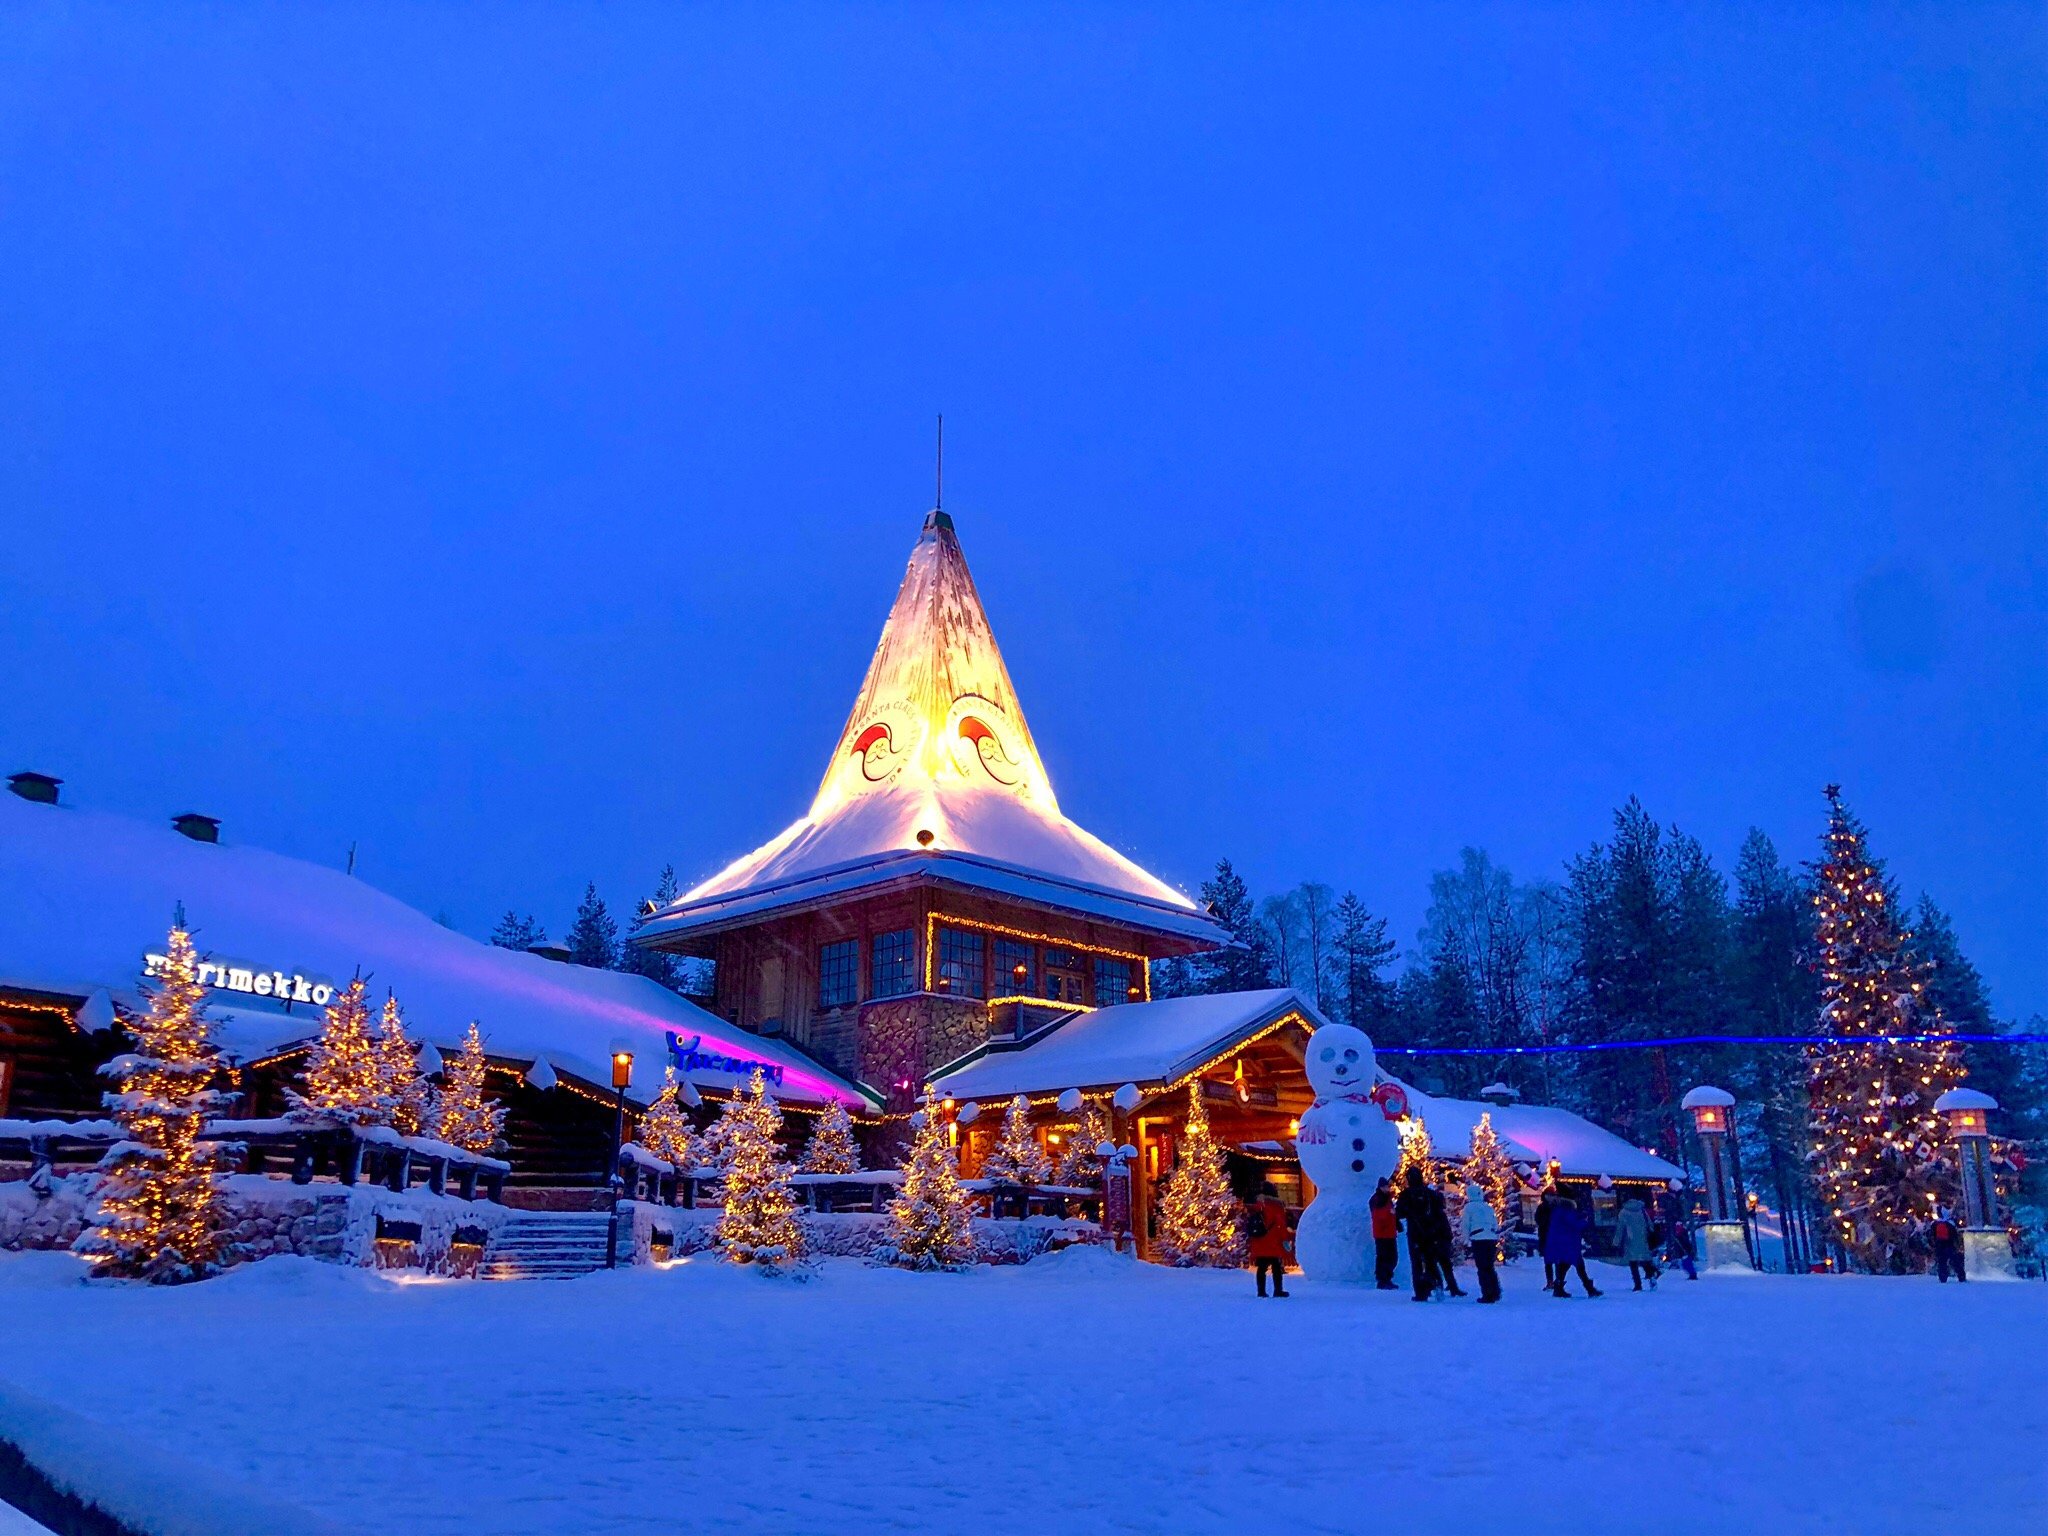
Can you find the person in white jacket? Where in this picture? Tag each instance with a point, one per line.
(1482, 1231)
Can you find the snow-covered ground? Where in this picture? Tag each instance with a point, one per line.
(1078, 1393)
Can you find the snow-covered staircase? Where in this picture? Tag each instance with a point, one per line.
(549, 1245)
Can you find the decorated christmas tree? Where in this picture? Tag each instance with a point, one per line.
(463, 1115)
(665, 1129)
(344, 1076)
(1877, 1142)
(398, 1069)
(1417, 1152)
(1489, 1166)
(1079, 1165)
(759, 1224)
(932, 1226)
(1016, 1157)
(158, 1203)
(1198, 1215)
(832, 1148)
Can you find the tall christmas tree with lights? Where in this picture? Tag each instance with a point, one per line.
(832, 1148)
(1197, 1212)
(398, 1067)
(1489, 1166)
(464, 1116)
(759, 1224)
(344, 1076)
(1079, 1164)
(158, 1204)
(1877, 1142)
(932, 1226)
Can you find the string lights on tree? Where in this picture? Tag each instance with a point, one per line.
(158, 1213)
(410, 1093)
(1079, 1163)
(1016, 1157)
(464, 1116)
(832, 1148)
(1877, 1142)
(759, 1223)
(932, 1226)
(1490, 1167)
(344, 1077)
(664, 1128)
(1198, 1222)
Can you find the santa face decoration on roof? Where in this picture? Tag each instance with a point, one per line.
(882, 747)
(984, 743)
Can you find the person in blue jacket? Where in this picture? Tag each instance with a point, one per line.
(1564, 1244)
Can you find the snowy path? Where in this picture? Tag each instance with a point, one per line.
(1078, 1394)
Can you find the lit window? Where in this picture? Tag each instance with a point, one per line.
(894, 972)
(960, 963)
(1112, 981)
(839, 974)
(1016, 967)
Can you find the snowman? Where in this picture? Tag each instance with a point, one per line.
(1346, 1143)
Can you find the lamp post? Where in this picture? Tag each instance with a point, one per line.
(622, 1077)
(1986, 1253)
(1712, 1119)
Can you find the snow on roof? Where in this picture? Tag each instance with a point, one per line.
(85, 895)
(1145, 1043)
(936, 773)
(1537, 1133)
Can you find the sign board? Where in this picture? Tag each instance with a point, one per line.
(689, 1056)
(253, 981)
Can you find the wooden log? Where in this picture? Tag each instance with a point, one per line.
(465, 1181)
(437, 1175)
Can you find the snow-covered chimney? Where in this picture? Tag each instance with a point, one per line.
(39, 787)
(201, 829)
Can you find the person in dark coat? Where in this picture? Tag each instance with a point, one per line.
(1272, 1240)
(1442, 1258)
(1412, 1210)
(1386, 1233)
(1948, 1247)
(1564, 1245)
(1543, 1240)
(1677, 1236)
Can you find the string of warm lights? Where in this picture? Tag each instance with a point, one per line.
(1140, 971)
(759, 1222)
(1197, 1213)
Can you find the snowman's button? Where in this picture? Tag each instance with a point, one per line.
(1352, 1121)
(1358, 1143)
(1358, 1165)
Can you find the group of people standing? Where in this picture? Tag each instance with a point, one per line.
(1422, 1212)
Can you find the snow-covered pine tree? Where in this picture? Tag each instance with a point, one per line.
(1246, 963)
(664, 1128)
(759, 1223)
(1363, 953)
(516, 932)
(1198, 1215)
(464, 1116)
(398, 1068)
(655, 964)
(1417, 1152)
(1877, 1142)
(594, 936)
(832, 1148)
(344, 1077)
(929, 1217)
(158, 1210)
(1016, 1157)
(1489, 1166)
(1079, 1165)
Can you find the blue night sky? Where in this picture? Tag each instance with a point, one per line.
(492, 436)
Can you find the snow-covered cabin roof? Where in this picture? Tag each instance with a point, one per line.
(84, 896)
(936, 775)
(1149, 1044)
(1536, 1133)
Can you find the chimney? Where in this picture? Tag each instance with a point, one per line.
(1499, 1094)
(556, 952)
(201, 829)
(39, 787)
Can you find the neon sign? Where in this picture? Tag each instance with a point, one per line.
(281, 986)
(689, 1057)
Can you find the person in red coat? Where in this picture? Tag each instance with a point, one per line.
(1386, 1232)
(1272, 1244)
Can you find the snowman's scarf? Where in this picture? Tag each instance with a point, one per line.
(1315, 1131)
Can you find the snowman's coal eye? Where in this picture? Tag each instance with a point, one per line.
(1329, 1052)
(1351, 1055)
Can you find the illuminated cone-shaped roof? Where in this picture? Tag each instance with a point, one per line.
(937, 763)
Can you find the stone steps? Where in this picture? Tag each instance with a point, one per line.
(549, 1245)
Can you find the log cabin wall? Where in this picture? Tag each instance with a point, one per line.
(49, 1067)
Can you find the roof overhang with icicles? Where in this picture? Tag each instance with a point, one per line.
(936, 777)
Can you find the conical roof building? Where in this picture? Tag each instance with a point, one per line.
(934, 830)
